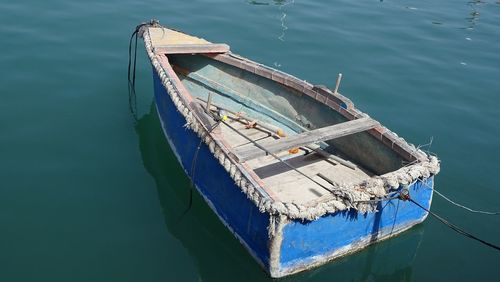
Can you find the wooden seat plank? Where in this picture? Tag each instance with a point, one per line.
(191, 48)
(250, 151)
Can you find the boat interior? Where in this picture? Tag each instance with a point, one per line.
(299, 146)
(309, 137)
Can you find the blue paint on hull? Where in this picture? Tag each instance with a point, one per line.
(335, 234)
(237, 212)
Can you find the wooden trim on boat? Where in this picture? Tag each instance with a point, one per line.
(184, 93)
(191, 48)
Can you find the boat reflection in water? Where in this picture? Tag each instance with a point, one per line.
(215, 252)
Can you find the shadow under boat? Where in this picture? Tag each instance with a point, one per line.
(220, 257)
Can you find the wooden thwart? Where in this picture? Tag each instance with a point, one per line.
(249, 152)
(191, 48)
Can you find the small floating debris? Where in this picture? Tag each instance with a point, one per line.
(257, 3)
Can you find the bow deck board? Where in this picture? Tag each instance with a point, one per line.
(169, 41)
(192, 48)
(164, 36)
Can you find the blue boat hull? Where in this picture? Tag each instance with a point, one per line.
(297, 245)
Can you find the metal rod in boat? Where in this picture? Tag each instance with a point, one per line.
(275, 156)
(272, 129)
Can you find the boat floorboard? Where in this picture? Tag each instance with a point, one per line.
(291, 186)
(287, 184)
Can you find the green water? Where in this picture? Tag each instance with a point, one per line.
(87, 194)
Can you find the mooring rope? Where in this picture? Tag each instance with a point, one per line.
(451, 225)
(464, 207)
(457, 204)
(193, 171)
(380, 199)
(132, 98)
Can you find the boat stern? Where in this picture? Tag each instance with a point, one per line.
(303, 245)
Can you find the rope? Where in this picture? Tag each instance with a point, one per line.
(404, 195)
(132, 98)
(457, 204)
(454, 227)
(381, 199)
(464, 207)
(193, 171)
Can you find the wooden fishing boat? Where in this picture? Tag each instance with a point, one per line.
(293, 170)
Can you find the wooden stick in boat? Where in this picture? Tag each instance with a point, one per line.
(276, 131)
(209, 102)
(322, 153)
(337, 84)
(322, 176)
(339, 78)
(332, 157)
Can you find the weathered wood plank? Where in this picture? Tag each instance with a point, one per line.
(207, 121)
(165, 36)
(321, 134)
(191, 48)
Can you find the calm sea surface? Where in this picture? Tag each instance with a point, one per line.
(87, 194)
